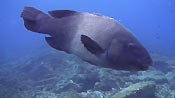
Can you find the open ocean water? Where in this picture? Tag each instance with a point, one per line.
(30, 68)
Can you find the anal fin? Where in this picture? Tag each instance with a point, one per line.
(57, 44)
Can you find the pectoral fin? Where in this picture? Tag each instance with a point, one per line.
(91, 45)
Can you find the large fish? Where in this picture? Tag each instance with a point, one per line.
(96, 39)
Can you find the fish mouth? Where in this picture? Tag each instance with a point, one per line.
(144, 67)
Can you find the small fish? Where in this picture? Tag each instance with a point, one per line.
(94, 38)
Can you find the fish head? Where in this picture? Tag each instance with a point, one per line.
(128, 54)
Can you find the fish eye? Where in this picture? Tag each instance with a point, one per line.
(131, 45)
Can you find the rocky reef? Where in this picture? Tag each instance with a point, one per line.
(53, 74)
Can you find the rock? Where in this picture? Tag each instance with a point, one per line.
(171, 77)
(70, 94)
(163, 63)
(44, 94)
(86, 81)
(138, 90)
(150, 75)
(165, 91)
(162, 66)
(105, 85)
(66, 85)
(93, 94)
(110, 79)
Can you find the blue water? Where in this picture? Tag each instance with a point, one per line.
(151, 21)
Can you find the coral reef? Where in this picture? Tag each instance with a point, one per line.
(53, 74)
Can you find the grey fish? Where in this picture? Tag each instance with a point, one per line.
(94, 38)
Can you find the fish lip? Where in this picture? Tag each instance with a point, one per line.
(145, 67)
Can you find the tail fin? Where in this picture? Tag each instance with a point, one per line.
(31, 17)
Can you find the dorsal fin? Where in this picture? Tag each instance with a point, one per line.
(91, 45)
(97, 14)
(62, 13)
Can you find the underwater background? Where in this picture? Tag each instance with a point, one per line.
(30, 68)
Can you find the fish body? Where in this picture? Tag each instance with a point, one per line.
(95, 38)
